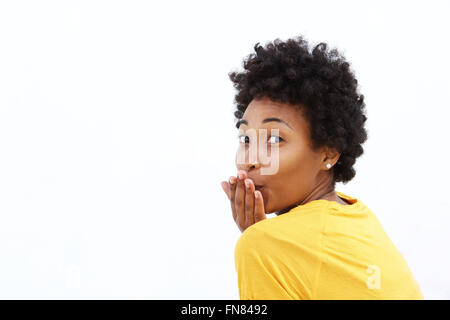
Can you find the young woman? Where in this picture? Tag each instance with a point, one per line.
(322, 243)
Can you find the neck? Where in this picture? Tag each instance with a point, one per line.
(330, 196)
(323, 190)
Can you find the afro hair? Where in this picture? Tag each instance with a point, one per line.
(320, 83)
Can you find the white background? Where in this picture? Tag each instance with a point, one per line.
(116, 128)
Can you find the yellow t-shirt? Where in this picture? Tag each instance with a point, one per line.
(322, 250)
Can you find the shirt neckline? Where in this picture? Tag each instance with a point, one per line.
(355, 204)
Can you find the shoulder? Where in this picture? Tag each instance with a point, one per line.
(253, 238)
(282, 235)
(277, 259)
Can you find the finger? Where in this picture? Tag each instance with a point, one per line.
(226, 188)
(259, 212)
(239, 201)
(249, 202)
(233, 181)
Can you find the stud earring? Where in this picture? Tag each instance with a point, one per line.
(328, 165)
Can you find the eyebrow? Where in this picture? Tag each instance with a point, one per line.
(242, 121)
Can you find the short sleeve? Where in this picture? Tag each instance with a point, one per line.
(264, 269)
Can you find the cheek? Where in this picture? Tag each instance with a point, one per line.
(291, 161)
(241, 155)
(295, 172)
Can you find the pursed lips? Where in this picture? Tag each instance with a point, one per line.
(257, 185)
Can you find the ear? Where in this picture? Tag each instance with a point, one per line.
(330, 155)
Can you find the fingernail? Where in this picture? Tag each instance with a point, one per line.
(231, 180)
(241, 176)
(247, 183)
(256, 195)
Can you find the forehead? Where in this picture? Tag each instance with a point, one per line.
(260, 109)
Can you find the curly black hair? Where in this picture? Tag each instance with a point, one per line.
(320, 82)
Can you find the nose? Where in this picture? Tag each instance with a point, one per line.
(252, 166)
(249, 166)
(248, 156)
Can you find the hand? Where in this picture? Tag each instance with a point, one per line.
(247, 204)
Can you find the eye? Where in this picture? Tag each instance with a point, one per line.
(243, 141)
(277, 140)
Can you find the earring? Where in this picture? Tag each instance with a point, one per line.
(328, 165)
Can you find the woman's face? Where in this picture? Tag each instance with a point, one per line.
(301, 173)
